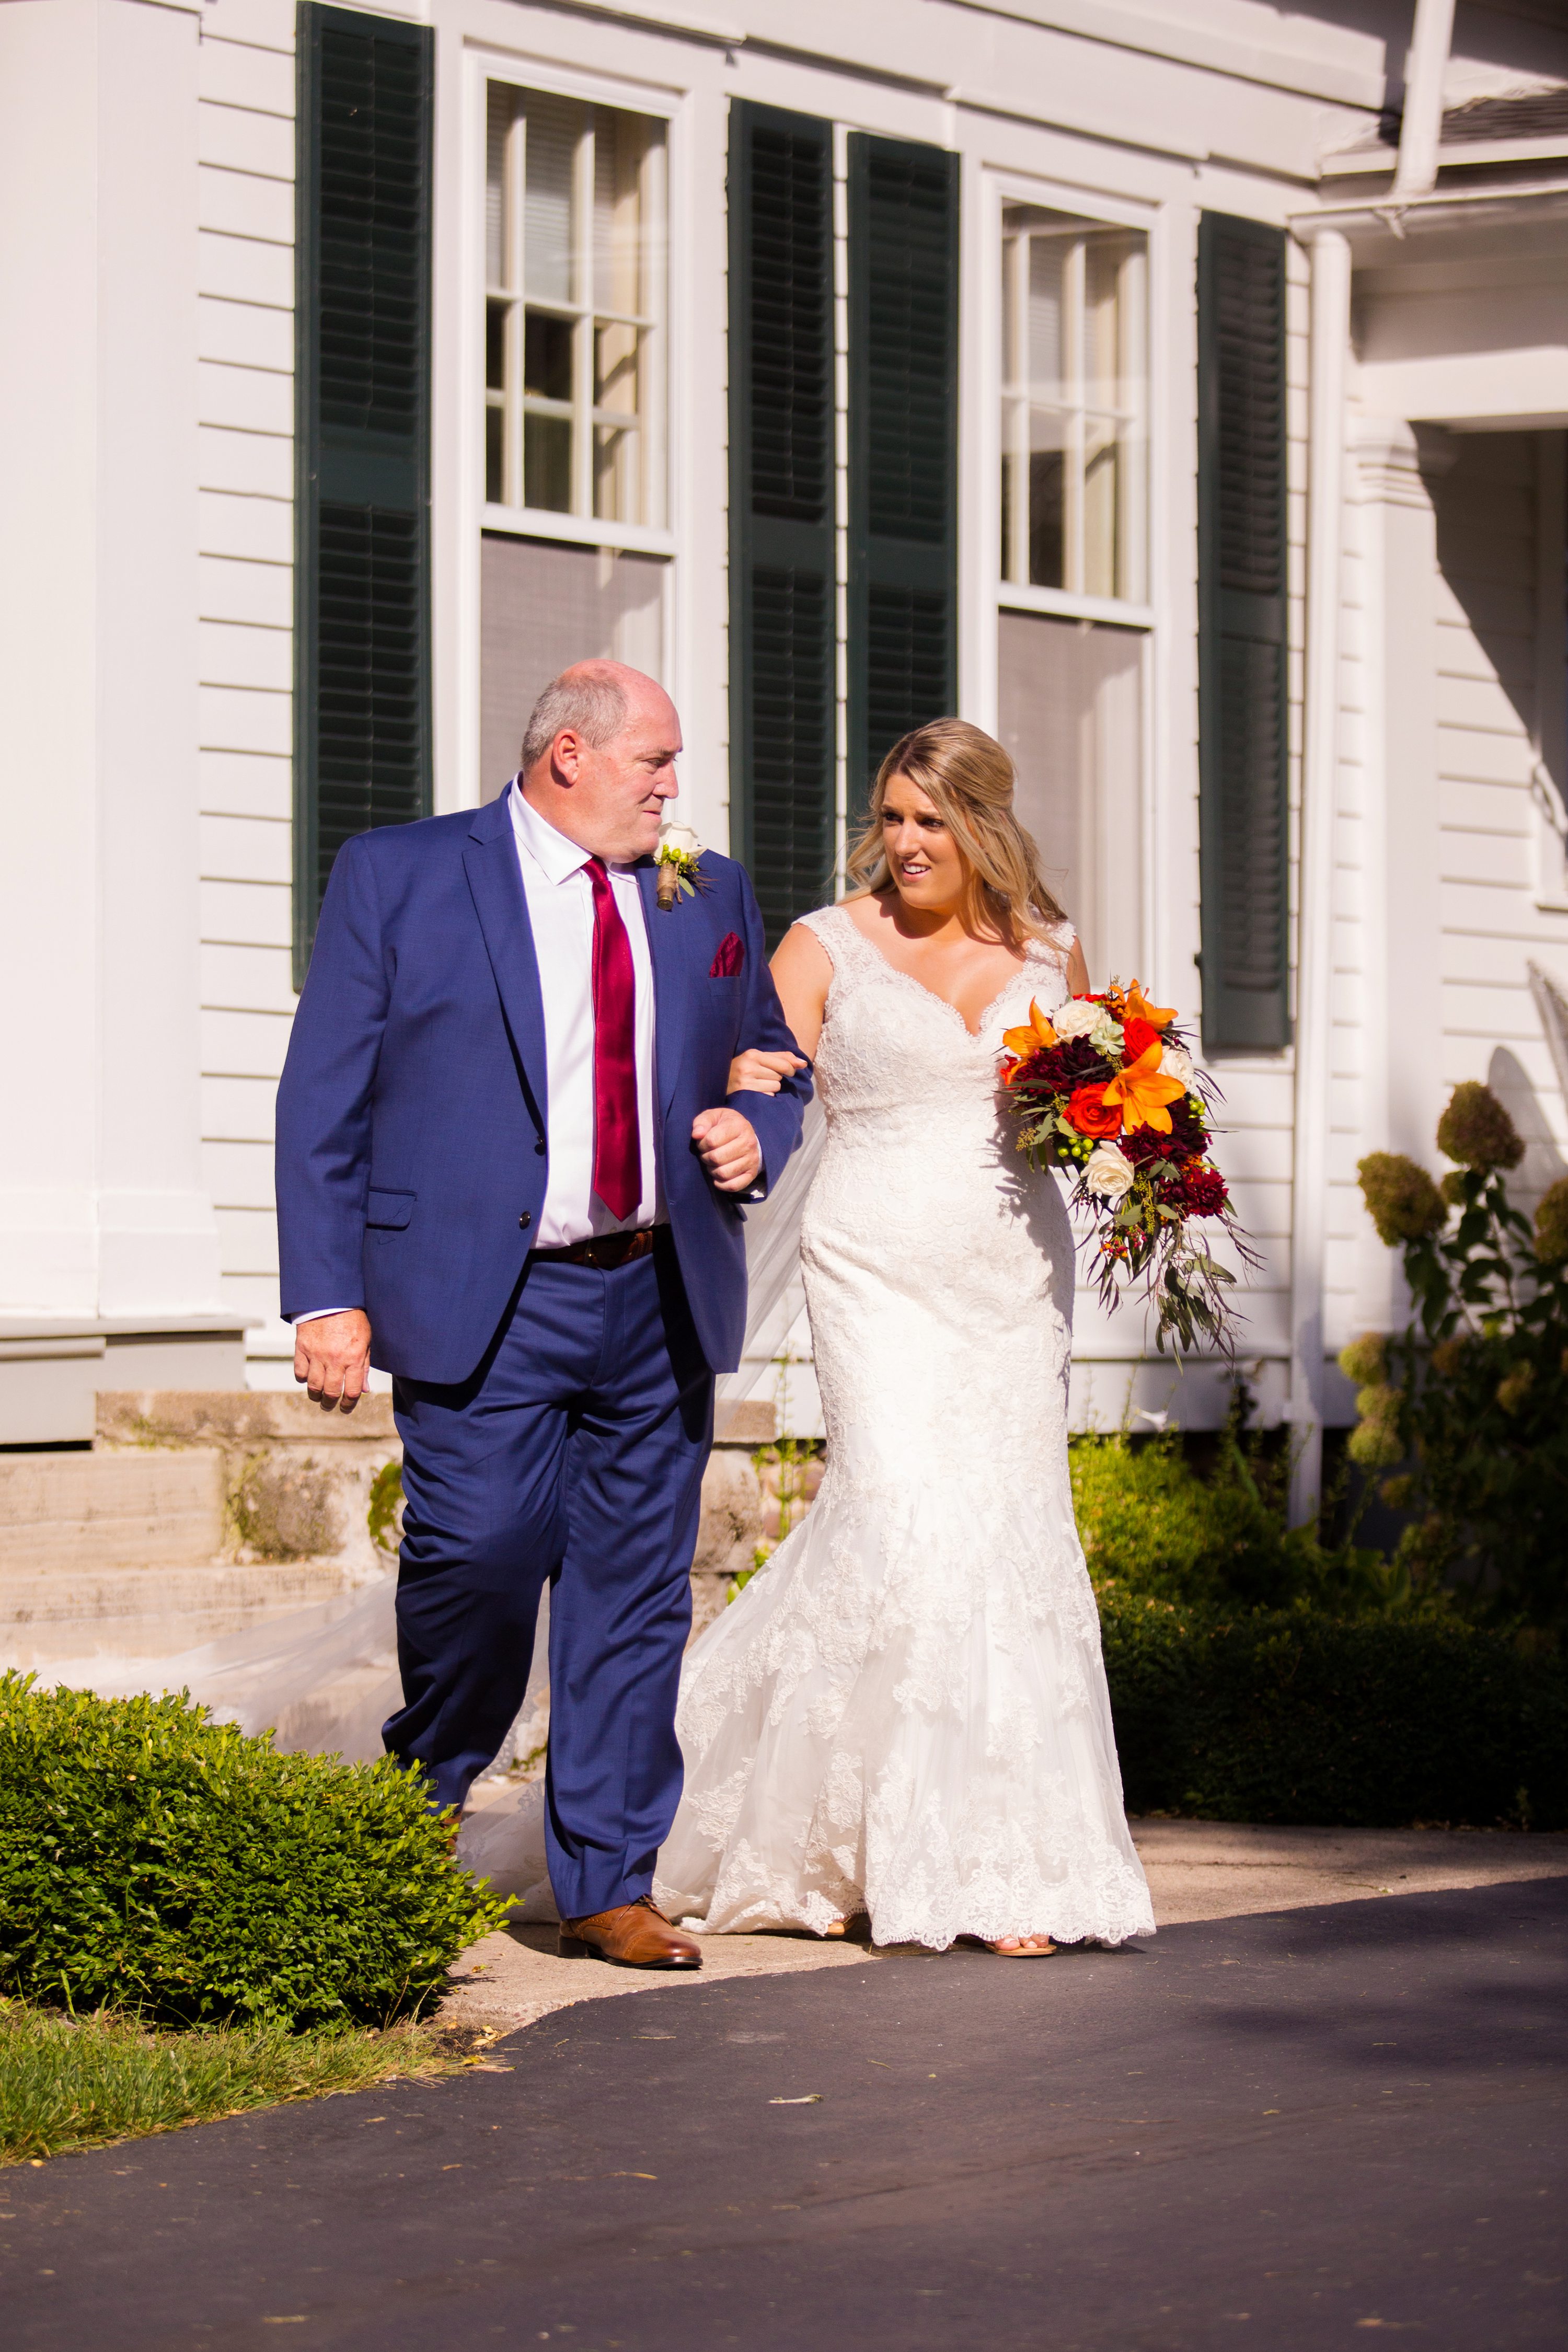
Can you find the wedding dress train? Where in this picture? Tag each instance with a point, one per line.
(905, 1712)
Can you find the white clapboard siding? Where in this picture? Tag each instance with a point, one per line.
(245, 396)
(1487, 654)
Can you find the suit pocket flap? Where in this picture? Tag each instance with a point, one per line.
(389, 1208)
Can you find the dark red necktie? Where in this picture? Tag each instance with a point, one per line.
(617, 1145)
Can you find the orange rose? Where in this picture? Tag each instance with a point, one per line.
(1091, 1114)
(1137, 1037)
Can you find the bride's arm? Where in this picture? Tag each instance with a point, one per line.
(1078, 975)
(803, 971)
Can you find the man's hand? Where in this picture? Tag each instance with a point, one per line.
(727, 1147)
(331, 1356)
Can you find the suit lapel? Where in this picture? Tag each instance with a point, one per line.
(670, 993)
(490, 860)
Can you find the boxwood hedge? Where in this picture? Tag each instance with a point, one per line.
(155, 1861)
(1297, 1716)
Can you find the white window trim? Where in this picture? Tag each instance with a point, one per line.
(1019, 596)
(581, 531)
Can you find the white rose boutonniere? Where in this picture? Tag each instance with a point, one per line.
(1108, 1172)
(677, 858)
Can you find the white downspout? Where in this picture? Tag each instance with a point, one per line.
(1422, 128)
(1320, 782)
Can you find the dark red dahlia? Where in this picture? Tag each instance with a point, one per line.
(1203, 1193)
(1073, 1062)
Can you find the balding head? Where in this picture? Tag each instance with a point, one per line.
(598, 758)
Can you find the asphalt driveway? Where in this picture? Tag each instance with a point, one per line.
(1294, 2129)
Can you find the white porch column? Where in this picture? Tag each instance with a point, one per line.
(101, 1211)
(1320, 779)
(1401, 962)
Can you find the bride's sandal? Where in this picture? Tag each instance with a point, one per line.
(1022, 1948)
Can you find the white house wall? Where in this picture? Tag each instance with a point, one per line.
(1155, 113)
(246, 413)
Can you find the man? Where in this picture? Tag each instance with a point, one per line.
(507, 1174)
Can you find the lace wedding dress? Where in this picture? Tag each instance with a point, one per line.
(905, 1712)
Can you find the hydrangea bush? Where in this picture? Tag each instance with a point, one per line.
(1474, 1397)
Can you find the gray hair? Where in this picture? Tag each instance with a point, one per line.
(594, 707)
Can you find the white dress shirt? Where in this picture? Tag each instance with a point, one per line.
(559, 899)
(559, 895)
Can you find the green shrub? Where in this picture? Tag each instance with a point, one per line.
(155, 1861)
(1148, 1520)
(1152, 1524)
(1302, 1717)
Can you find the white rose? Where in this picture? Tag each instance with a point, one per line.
(680, 837)
(1107, 1171)
(1177, 1063)
(1077, 1017)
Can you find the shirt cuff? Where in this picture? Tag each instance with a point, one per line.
(314, 1314)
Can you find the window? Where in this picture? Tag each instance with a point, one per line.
(574, 297)
(1074, 403)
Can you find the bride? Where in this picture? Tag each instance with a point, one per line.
(904, 1716)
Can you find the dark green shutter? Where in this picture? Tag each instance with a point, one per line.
(362, 665)
(781, 591)
(903, 477)
(1243, 668)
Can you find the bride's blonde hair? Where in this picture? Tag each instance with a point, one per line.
(969, 780)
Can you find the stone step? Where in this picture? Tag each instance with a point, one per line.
(148, 1613)
(111, 1510)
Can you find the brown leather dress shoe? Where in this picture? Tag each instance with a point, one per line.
(635, 1936)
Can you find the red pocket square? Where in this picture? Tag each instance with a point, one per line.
(730, 959)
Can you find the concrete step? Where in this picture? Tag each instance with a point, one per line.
(107, 1510)
(148, 1613)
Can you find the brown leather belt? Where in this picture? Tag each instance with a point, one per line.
(605, 1251)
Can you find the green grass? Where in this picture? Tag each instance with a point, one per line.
(76, 2083)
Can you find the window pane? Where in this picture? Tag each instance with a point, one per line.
(547, 463)
(620, 141)
(555, 126)
(1048, 501)
(542, 606)
(1102, 487)
(1069, 710)
(495, 455)
(502, 108)
(616, 368)
(1047, 255)
(547, 357)
(495, 346)
(615, 474)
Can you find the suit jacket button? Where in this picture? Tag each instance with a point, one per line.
(525, 1219)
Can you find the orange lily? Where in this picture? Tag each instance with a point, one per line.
(1143, 1093)
(1138, 1008)
(1026, 1041)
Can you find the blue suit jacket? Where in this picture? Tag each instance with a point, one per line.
(413, 1144)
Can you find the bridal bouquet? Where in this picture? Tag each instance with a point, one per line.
(1106, 1090)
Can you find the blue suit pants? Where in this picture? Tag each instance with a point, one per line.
(575, 1452)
